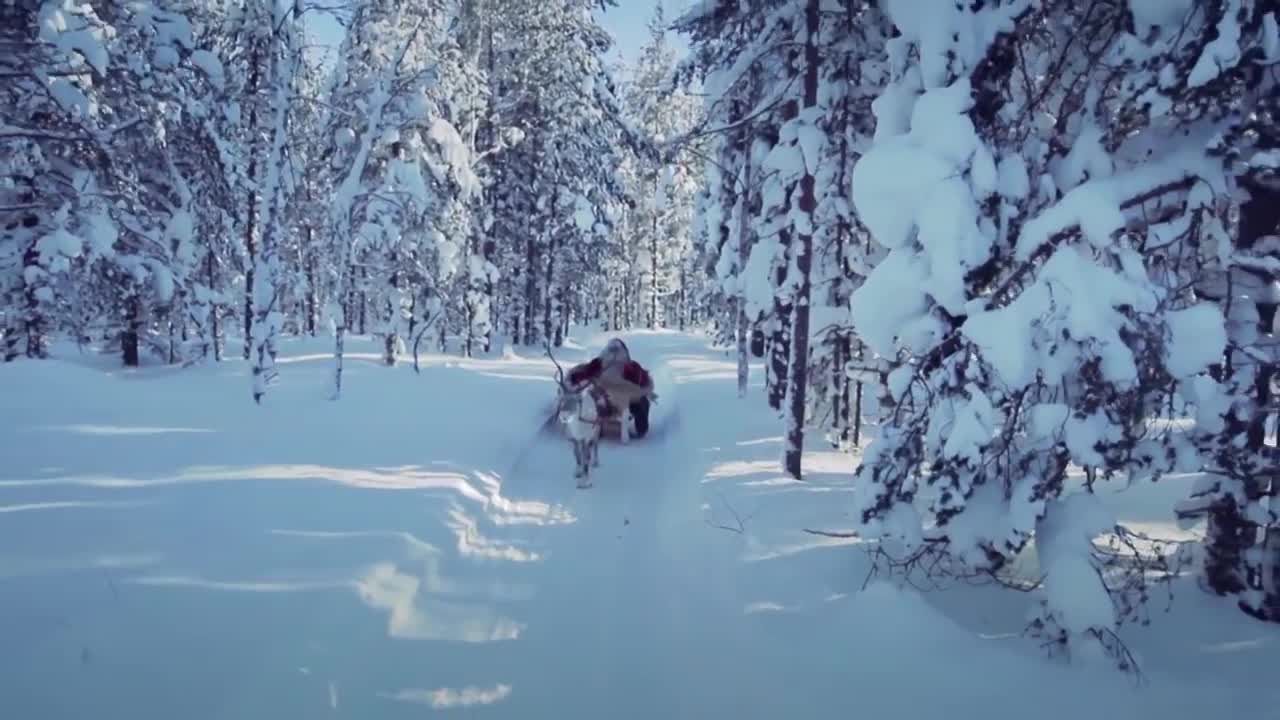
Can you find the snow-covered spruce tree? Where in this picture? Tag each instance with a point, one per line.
(379, 96)
(473, 109)
(156, 247)
(1022, 298)
(249, 64)
(435, 272)
(48, 140)
(307, 285)
(1213, 70)
(726, 56)
(504, 207)
(852, 41)
(712, 304)
(622, 271)
(405, 178)
(124, 83)
(782, 56)
(770, 277)
(681, 182)
(657, 231)
(211, 162)
(549, 203)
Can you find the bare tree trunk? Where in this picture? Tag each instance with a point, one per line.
(530, 291)
(653, 273)
(548, 294)
(251, 212)
(562, 317)
(779, 340)
(9, 339)
(468, 318)
(33, 320)
(413, 317)
(172, 355)
(854, 405)
(804, 259)
(391, 335)
(249, 280)
(744, 254)
(215, 325)
(312, 301)
(682, 303)
(626, 304)
(857, 416)
(339, 347)
(130, 336)
(363, 298)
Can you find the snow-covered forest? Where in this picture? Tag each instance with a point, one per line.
(181, 174)
(997, 263)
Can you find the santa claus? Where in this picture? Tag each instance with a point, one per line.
(624, 382)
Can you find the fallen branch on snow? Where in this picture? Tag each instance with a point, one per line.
(740, 527)
(831, 533)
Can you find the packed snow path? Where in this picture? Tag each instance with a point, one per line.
(169, 550)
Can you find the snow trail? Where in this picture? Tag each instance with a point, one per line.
(642, 590)
(166, 551)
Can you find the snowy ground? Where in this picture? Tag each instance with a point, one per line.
(168, 550)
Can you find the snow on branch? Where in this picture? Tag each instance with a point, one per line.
(1061, 227)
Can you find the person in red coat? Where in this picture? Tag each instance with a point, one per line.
(624, 381)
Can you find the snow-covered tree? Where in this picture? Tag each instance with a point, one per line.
(778, 76)
(308, 287)
(726, 56)
(853, 46)
(1213, 72)
(379, 130)
(550, 199)
(103, 231)
(1025, 302)
(656, 230)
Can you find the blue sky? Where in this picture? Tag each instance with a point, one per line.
(627, 23)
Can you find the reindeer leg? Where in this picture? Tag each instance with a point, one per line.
(583, 473)
(595, 451)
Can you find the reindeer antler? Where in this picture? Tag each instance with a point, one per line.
(559, 370)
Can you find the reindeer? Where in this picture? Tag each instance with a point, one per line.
(577, 411)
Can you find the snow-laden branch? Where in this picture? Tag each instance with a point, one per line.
(764, 108)
(1049, 236)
